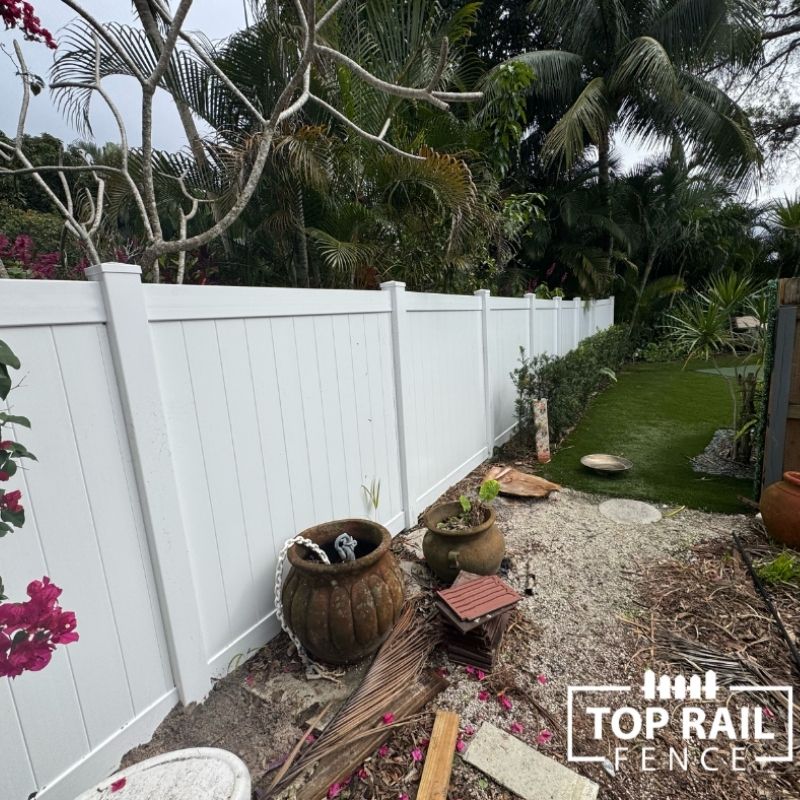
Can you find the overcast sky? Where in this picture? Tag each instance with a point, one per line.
(217, 19)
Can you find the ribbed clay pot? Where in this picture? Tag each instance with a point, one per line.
(342, 611)
(780, 508)
(479, 549)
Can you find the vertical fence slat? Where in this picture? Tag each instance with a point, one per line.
(401, 351)
(137, 375)
(488, 398)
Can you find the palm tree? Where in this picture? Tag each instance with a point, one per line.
(638, 67)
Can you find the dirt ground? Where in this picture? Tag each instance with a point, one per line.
(596, 616)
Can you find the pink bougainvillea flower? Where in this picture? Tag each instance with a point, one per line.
(363, 774)
(118, 784)
(442, 671)
(505, 702)
(335, 789)
(424, 742)
(311, 738)
(541, 679)
(768, 712)
(6, 444)
(483, 695)
(250, 680)
(4, 476)
(388, 719)
(517, 727)
(480, 674)
(470, 670)
(402, 796)
(10, 500)
(383, 751)
(416, 754)
(469, 730)
(544, 736)
(460, 746)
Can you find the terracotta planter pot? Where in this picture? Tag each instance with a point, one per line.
(780, 508)
(479, 549)
(342, 611)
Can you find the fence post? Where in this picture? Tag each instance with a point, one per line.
(401, 356)
(556, 326)
(137, 379)
(577, 308)
(531, 298)
(592, 317)
(488, 399)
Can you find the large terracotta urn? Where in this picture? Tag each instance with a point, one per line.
(479, 550)
(780, 508)
(343, 611)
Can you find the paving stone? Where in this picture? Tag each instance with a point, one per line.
(201, 773)
(630, 511)
(523, 770)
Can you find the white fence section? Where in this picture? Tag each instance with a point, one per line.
(184, 433)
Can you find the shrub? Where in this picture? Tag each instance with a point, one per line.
(659, 351)
(567, 382)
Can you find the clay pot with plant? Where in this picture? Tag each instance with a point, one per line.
(463, 535)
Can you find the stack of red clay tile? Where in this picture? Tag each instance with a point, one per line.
(475, 611)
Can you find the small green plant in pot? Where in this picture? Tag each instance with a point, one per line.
(463, 535)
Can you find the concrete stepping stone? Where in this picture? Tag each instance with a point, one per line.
(630, 512)
(523, 770)
(199, 773)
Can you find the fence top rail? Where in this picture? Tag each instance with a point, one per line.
(31, 302)
(508, 303)
(173, 303)
(428, 301)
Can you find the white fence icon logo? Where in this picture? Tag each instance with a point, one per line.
(678, 688)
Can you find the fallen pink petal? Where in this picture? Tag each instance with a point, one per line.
(544, 736)
(388, 719)
(383, 751)
(249, 680)
(416, 754)
(768, 712)
(541, 679)
(311, 738)
(505, 702)
(363, 774)
(470, 670)
(460, 745)
(480, 674)
(334, 790)
(118, 784)
(469, 730)
(483, 695)
(517, 727)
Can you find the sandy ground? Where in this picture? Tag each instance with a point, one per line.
(571, 631)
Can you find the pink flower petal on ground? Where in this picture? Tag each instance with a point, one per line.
(118, 784)
(416, 754)
(517, 727)
(311, 738)
(424, 742)
(388, 719)
(383, 751)
(460, 746)
(335, 789)
(768, 712)
(541, 679)
(442, 671)
(363, 774)
(402, 796)
(544, 736)
(469, 730)
(483, 695)
(505, 702)
(480, 674)
(470, 670)
(249, 680)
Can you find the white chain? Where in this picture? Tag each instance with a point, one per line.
(313, 670)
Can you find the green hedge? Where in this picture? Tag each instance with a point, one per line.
(568, 381)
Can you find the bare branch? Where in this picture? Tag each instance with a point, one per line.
(361, 132)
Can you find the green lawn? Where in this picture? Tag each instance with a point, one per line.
(658, 416)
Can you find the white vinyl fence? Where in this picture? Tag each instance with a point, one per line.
(183, 434)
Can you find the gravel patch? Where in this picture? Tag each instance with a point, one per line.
(716, 458)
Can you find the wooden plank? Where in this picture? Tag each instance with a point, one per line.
(780, 382)
(439, 760)
(790, 291)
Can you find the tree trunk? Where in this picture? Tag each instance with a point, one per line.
(302, 242)
(648, 268)
(604, 183)
(3, 270)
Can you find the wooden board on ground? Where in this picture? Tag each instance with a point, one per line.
(439, 760)
(520, 484)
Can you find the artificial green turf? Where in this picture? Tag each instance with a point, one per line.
(659, 416)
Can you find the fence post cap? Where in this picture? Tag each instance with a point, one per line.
(111, 267)
(481, 292)
(393, 285)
